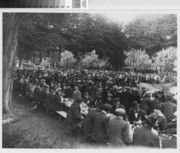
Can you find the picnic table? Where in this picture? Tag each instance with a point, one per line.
(68, 102)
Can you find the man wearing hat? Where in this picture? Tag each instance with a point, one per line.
(87, 99)
(100, 134)
(159, 117)
(89, 121)
(74, 116)
(117, 104)
(118, 130)
(97, 103)
(136, 114)
(168, 109)
(77, 93)
(143, 136)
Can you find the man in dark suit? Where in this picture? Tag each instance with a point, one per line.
(68, 92)
(88, 122)
(136, 114)
(100, 134)
(97, 103)
(118, 130)
(74, 116)
(117, 104)
(87, 99)
(143, 136)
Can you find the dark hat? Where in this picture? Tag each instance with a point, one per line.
(79, 100)
(106, 107)
(157, 106)
(116, 99)
(151, 121)
(21, 76)
(134, 103)
(46, 86)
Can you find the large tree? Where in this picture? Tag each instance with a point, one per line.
(152, 32)
(11, 24)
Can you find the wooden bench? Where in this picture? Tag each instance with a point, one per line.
(62, 114)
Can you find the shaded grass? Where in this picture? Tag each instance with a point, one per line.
(36, 129)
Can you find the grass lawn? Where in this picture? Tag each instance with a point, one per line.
(36, 129)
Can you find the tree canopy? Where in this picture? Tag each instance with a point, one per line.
(48, 35)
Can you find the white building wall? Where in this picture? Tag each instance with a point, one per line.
(62, 3)
(56, 3)
(45, 3)
(68, 3)
(40, 3)
(51, 3)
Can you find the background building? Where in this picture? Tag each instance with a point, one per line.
(45, 4)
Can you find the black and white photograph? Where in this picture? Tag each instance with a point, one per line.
(89, 80)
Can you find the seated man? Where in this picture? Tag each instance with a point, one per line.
(89, 121)
(136, 114)
(143, 136)
(54, 101)
(74, 116)
(87, 99)
(160, 118)
(97, 102)
(168, 109)
(117, 104)
(118, 129)
(100, 133)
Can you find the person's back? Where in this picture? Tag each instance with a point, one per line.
(118, 132)
(100, 128)
(74, 116)
(168, 109)
(88, 122)
(143, 136)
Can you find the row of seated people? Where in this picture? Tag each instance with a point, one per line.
(103, 128)
(162, 111)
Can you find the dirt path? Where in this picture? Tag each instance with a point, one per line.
(36, 129)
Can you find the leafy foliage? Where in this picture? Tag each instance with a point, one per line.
(166, 59)
(152, 32)
(43, 35)
(91, 60)
(138, 59)
(67, 59)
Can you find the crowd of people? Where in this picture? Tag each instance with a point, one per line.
(115, 101)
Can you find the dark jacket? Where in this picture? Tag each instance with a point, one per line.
(140, 115)
(88, 122)
(74, 117)
(37, 94)
(68, 93)
(143, 136)
(168, 109)
(118, 132)
(100, 134)
(54, 103)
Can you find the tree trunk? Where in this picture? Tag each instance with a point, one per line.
(10, 33)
